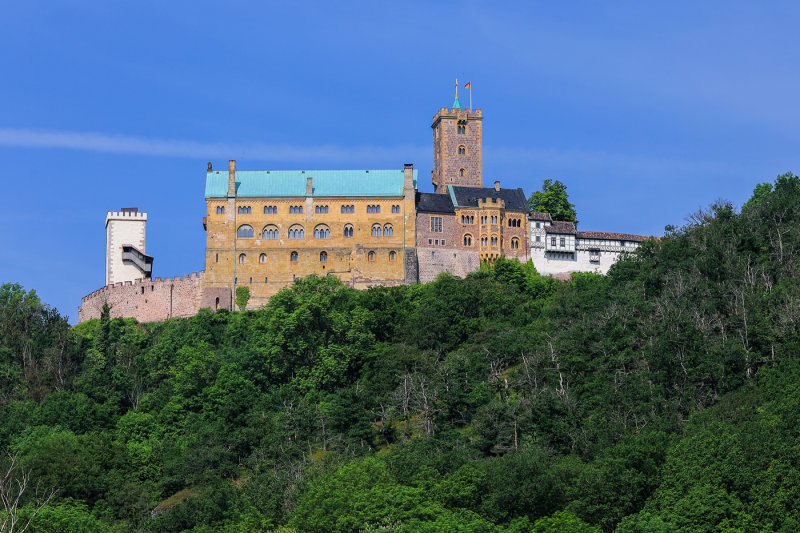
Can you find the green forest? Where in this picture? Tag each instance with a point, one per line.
(662, 397)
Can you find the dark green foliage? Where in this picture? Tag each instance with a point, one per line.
(662, 397)
(553, 199)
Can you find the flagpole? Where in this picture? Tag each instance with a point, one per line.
(470, 97)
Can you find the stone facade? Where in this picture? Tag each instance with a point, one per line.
(149, 300)
(457, 148)
(362, 240)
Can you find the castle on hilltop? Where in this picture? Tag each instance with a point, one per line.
(266, 228)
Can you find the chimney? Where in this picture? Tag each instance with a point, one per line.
(408, 178)
(309, 186)
(497, 185)
(232, 177)
(209, 166)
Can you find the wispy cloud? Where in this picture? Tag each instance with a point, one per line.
(125, 144)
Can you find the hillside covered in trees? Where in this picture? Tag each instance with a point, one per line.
(662, 397)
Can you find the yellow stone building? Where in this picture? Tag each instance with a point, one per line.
(266, 228)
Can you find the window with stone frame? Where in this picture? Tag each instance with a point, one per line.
(245, 232)
(436, 224)
(467, 240)
(348, 230)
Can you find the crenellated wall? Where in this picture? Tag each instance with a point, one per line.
(154, 300)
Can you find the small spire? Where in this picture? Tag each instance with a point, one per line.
(456, 103)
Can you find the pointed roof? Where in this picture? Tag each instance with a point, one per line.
(457, 104)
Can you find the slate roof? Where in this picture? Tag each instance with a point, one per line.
(292, 183)
(605, 235)
(539, 216)
(563, 228)
(434, 203)
(468, 197)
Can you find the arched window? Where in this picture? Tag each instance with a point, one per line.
(392, 255)
(371, 256)
(296, 232)
(388, 231)
(216, 304)
(494, 240)
(462, 128)
(245, 232)
(515, 244)
(348, 230)
(293, 257)
(270, 232)
(462, 172)
(484, 241)
(323, 256)
(322, 232)
(462, 150)
(242, 257)
(376, 230)
(467, 240)
(262, 258)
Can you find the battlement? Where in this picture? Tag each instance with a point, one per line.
(453, 112)
(493, 203)
(147, 300)
(126, 215)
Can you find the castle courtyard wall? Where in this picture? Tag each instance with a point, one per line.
(150, 300)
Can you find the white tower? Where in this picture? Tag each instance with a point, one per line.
(125, 257)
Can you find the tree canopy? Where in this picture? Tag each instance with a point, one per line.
(661, 397)
(553, 199)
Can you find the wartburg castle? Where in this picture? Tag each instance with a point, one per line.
(265, 228)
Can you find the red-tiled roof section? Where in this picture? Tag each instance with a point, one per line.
(567, 228)
(539, 216)
(605, 235)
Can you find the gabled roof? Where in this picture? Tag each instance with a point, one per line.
(468, 197)
(434, 203)
(563, 228)
(539, 216)
(292, 183)
(604, 235)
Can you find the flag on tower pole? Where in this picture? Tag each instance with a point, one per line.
(469, 86)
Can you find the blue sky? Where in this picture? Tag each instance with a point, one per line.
(647, 111)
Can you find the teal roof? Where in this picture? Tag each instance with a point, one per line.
(456, 103)
(292, 183)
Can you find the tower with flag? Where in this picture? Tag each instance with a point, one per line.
(457, 145)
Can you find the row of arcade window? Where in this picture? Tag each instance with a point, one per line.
(298, 209)
(489, 219)
(321, 231)
(467, 219)
(323, 257)
(514, 223)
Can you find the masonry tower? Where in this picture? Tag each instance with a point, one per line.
(457, 153)
(125, 257)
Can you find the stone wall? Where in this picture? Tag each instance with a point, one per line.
(447, 161)
(151, 300)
